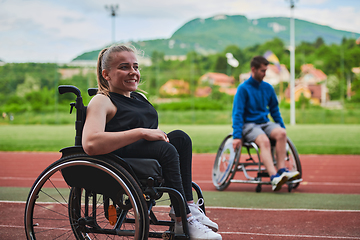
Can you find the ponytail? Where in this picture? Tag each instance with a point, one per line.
(103, 85)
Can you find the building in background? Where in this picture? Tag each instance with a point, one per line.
(225, 83)
(175, 88)
(311, 84)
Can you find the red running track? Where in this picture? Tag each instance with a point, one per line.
(321, 174)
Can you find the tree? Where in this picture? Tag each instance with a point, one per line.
(319, 42)
(221, 64)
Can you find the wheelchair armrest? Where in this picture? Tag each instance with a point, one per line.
(145, 167)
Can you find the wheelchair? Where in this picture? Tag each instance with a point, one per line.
(228, 162)
(100, 197)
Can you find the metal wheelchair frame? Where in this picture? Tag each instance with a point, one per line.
(227, 163)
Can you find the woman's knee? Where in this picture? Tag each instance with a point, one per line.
(169, 151)
(179, 137)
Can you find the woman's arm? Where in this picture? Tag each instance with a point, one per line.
(96, 141)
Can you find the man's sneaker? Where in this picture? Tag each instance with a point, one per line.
(198, 214)
(278, 180)
(197, 231)
(293, 175)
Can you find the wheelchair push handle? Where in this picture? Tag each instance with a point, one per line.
(68, 88)
(92, 91)
(80, 110)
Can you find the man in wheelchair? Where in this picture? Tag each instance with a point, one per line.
(253, 102)
(122, 121)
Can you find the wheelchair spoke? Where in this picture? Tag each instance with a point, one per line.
(53, 198)
(57, 190)
(51, 211)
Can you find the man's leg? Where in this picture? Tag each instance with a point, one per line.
(279, 134)
(274, 131)
(259, 134)
(265, 153)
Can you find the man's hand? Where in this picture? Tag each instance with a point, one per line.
(236, 143)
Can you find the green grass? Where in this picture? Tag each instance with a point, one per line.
(244, 199)
(206, 117)
(308, 139)
(36, 137)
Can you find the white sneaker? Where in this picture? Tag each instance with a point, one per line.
(198, 214)
(278, 181)
(197, 230)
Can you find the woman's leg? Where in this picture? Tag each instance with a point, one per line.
(168, 157)
(182, 142)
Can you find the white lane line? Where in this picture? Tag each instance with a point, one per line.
(288, 235)
(10, 226)
(303, 183)
(26, 178)
(204, 181)
(282, 209)
(235, 233)
(232, 208)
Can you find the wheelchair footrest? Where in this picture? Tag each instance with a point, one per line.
(255, 181)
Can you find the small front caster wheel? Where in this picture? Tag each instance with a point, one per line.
(258, 188)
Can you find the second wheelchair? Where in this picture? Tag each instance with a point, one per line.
(228, 162)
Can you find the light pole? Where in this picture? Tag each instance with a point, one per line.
(292, 63)
(113, 13)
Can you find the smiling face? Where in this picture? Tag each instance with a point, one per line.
(124, 75)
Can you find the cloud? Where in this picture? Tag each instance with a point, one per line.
(347, 18)
(52, 30)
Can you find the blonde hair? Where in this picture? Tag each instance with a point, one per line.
(104, 61)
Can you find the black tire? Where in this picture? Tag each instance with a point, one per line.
(54, 210)
(225, 164)
(258, 188)
(293, 161)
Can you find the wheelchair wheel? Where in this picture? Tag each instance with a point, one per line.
(293, 162)
(105, 204)
(225, 163)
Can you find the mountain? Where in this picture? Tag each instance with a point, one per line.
(214, 34)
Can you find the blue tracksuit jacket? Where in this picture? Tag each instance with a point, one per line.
(253, 102)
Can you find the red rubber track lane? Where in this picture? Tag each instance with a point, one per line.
(321, 173)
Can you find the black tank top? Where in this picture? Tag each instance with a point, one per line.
(133, 112)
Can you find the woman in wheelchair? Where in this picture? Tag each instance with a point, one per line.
(122, 121)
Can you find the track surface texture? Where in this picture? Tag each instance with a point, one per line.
(336, 174)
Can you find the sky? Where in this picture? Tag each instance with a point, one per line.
(60, 30)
